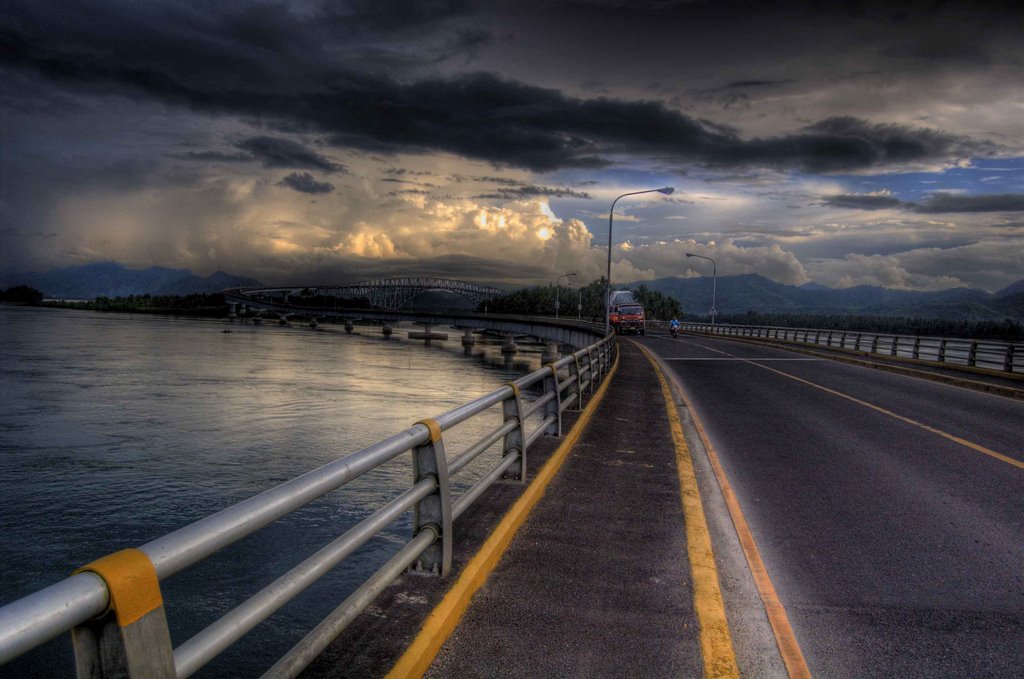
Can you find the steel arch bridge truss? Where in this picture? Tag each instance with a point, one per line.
(394, 293)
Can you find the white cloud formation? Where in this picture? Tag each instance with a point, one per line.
(881, 270)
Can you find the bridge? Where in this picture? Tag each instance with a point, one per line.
(704, 505)
(390, 295)
(387, 293)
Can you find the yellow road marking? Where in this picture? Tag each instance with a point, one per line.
(789, 649)
(443, 619)
(715, 638)
(951, 437)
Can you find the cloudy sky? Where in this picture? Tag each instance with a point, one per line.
(843, 143)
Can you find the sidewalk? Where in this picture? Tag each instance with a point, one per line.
(597, 581)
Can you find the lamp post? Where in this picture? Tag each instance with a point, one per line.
(579, 302)
(667, 190)
(714, 283)
(558, 290)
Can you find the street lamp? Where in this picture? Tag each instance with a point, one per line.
(579, 302)
(558, 290)
(714, 283)
(667, 190)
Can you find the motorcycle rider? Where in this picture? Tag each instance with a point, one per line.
(673, 327)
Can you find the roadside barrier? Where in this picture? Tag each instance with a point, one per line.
(1007, 357)
(113, 606)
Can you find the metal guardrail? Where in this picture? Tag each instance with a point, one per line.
(994, 355)
(113, 606)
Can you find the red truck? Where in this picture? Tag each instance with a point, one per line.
(625, 314)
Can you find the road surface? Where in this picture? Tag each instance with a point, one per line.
(888, 510)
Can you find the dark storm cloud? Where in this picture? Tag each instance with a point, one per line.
(529, 191)
(740, 84)
(214, 156)
(843, 142)
(508, 188)
(278, 152)
(304, 183)
(392, 15)
(936, 203)
(392, 180)
(265, 62)
(952, 202)
(405, 172)
(857, 201)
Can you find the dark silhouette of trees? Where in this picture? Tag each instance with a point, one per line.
(210, 305)
(21, 294)
(540, 301)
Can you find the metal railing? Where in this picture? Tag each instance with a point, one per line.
(109, 642)
(994, 355)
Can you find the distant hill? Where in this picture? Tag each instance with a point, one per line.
(752, 292)
(110, 279)
(1012, 289)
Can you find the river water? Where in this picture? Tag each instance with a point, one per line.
(116, 429)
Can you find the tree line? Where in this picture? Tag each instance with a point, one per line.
(540, 301)
(210, 305)
(21, 294)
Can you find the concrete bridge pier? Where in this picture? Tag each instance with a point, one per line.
(386, 331)
(428, 334)
(468, 340)
(232, 309)
(349, 327)
(509, 348)
(551, 352)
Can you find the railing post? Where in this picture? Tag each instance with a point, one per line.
(512, 410)
(554, 406)
(434, 512)
(941, 357)
(972, 354)
(895, 349)
(590, 371)
(1008, 358)
(579, 383)
(874, 344)
(917, 348)
(131, 639)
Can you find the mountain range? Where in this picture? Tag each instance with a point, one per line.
(752, 292)
(735, 294)
(110, 279)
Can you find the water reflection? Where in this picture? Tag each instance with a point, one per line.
(117, 429)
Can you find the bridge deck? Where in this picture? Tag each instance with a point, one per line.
(596, 581)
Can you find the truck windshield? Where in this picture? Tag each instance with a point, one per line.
(631, 309)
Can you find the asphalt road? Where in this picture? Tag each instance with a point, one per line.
(889, 510)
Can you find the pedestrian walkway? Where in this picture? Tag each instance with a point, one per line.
(597, 581)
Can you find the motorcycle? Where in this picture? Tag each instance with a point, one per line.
(674, 330)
